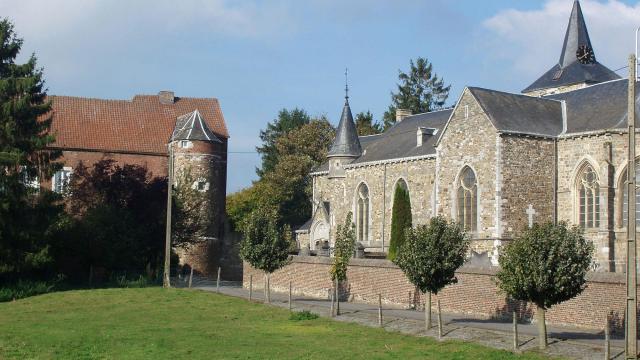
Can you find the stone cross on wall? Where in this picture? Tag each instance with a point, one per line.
(530, 211)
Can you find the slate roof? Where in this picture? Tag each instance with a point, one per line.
(569, 70)
(346, 142)
(520, 113)
(191, 127)
(139, 125)
(597, 107)
(400, 140)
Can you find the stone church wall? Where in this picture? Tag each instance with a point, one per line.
(473, 142)
(606, 153)
(527, 179)
(475, 295)
(381, 180)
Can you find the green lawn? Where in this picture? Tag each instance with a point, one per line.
(153, 323)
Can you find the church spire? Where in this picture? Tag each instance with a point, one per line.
(577, 67)
(576, 39)
(346, 143)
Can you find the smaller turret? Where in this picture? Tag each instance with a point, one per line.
(346, 146)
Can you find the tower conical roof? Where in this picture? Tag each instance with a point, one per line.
(569, 69)
(191, 127)
(346, 143)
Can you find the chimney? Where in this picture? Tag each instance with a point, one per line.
(166, 97)
(401, 114)
(423, 134)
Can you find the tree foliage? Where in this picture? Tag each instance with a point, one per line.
(365, 124)
(547, 264)
(401, 219)
(420, 90)
(116, 220)
(28, 215)
(189, 211)
(344, 247)
(264, 244)
(286, 188)
(286, 121)
(432, 253)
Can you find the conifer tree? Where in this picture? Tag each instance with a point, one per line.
(25, 213)
(365, 124)
(401, 219)
(420, 90)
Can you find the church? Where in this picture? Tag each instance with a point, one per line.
(496, 163)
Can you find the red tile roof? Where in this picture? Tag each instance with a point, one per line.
(142, 124)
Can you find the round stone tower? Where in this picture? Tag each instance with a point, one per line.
(200, 164)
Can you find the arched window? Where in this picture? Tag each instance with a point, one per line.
(468, 199)
(589, 198)
(362, 213)
(625, 196)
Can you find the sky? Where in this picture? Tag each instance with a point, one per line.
(258, 57)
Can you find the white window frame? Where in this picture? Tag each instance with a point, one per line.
(66, 172)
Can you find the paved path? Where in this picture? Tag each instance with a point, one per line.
(564, 342)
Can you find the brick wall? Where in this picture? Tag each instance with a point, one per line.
(475, 293)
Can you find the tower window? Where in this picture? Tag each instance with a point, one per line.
(185, 144)
(201, 185)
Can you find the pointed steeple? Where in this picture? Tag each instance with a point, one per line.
(577, 65)
(346, 143)
(191, 126)
(576, 37)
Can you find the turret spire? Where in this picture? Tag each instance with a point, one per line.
(346, 143)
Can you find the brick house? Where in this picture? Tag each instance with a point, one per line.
(139, 131)
(497, 162)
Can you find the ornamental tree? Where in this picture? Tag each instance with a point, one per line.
(342, 252)
(263, 245)
(546, 265)
(430, 256)
(400, 219)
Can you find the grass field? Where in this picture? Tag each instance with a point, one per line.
(153, 323)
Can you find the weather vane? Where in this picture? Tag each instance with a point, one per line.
(346, 83)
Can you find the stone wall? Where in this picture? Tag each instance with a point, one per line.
(475, 294)
(381, 180)
(471, 140)
(527, 179)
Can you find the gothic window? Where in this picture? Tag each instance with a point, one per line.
(625, 196)
(362, 213)
(468, 199)
(589, 198)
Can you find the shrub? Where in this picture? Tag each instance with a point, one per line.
(302, 315)
(26, 288)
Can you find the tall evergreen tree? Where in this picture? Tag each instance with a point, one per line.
(401, 219)
(286, 121)
(25, 213)
(420, 90)
(365, 124)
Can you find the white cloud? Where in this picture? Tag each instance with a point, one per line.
(531, 40)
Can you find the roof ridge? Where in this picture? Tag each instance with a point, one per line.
(471, 88)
